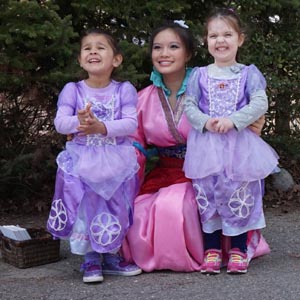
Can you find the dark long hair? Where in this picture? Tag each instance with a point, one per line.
(184, 34)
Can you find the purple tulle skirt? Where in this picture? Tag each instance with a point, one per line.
(241, 156)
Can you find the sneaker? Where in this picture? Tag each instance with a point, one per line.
(114, 264)
(212, 261)
(238, 262)
(92, 272)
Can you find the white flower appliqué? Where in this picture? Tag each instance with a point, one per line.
(105, 229)
(201, 198)
(58, 216)
(241, 201)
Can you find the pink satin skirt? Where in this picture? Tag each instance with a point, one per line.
(166, 231)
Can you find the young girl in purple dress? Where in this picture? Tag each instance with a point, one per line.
(97, 172)
(222, 100)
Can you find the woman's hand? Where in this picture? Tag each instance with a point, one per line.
(70, 137)
(258, 125)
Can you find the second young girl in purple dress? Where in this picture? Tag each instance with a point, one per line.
(226, 161)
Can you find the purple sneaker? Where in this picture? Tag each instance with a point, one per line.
(92, 272)
(114, 264)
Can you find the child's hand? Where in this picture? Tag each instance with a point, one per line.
(84, 114)
(223, 125)
(91, 125)
(211, 124)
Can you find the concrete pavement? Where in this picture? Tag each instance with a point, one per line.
(275, 276)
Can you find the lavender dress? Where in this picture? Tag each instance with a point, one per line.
(96, 178)
(227, 172)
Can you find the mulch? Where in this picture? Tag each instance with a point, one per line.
(284, 200)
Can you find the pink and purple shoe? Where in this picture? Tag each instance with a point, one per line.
(212, 261)
(114, 264)
(238, 262)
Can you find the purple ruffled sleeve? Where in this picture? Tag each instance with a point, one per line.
(255, 80)
(66, 120)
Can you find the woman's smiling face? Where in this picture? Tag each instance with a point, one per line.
(169, 54)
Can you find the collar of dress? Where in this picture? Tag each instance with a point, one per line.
(157, 80)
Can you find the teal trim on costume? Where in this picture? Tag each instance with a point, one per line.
(157, 80)
(149, 153)
(140, 147)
